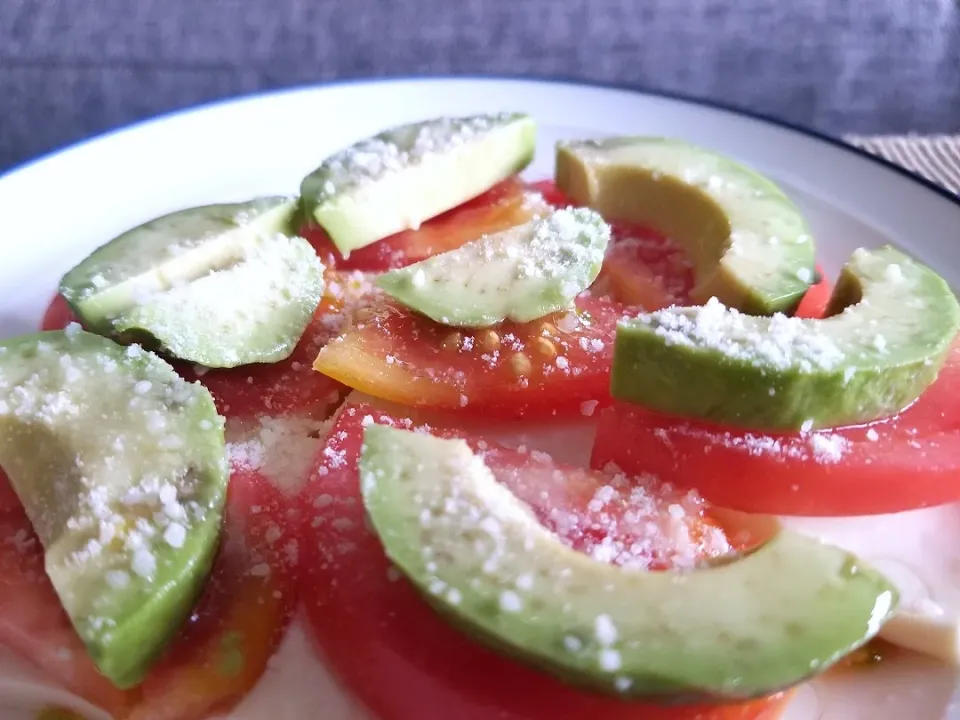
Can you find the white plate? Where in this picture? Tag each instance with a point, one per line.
(55, 210)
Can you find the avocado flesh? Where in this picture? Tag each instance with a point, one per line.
(868, 360)
(748, 627)
(749, 244)
(401, 177)
(120, 466)
(520, 274)
(218, 285)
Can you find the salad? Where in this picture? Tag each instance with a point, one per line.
(480, 448)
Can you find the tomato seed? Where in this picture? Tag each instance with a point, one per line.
(544, 347)
(521, 364)
(489, 340)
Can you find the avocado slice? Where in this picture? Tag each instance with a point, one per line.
(217, 285)
(520, 274)
(121, 467)
(749, 244)
(746, 627)
(890, 325)
(396, 180)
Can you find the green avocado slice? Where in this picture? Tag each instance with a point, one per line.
(891, 323)
(217, 285)
(121, 468)
(753, 625)
(748, 242)
(520, 274)
(401, 177)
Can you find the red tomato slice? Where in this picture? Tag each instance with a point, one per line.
(551, 193)
(503, 206)
(814, 302)
(219, 654)
(909, 461)
(548, 367)
(58, 315)
(403, 661)
(647, 270)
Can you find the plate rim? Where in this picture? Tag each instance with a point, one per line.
(690, 99)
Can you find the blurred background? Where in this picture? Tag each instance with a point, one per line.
(70, 69)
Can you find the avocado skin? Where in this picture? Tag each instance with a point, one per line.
(890, 353)
(743, 627)
(145, 615)
(749, 243)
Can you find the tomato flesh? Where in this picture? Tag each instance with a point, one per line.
(220, 652)
(548, 367)
(402, 661)
(503, 206)
(647, 270)
(57, 315)
(909, 461)
(815, 300)
(551, 193)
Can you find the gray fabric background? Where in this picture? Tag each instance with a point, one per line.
(73, 68)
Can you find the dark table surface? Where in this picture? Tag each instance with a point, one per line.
(70, 69)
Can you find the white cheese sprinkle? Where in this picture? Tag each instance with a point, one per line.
(605, 630)
(610, 660)
(787, 341)
(144, 563)
(510, 601)
(175, 535)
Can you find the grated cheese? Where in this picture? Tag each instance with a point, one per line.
(282, 449)
(787, 341)
(369, 160)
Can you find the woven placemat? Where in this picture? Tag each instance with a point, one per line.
(935, 157)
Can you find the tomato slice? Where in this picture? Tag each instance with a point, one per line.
(905, 462)
(221, 651)
(549, 191)
(403, 662)
(814, 302)
(647, 270)
(58, 315)
(504, 205)
(548, 367)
